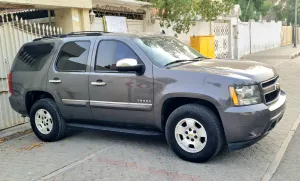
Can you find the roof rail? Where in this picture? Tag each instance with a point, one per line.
(79, 33)
(89, 32)
(49, 37)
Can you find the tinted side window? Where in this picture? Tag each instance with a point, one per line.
(73, 56)
(32, 57)
(109, 52)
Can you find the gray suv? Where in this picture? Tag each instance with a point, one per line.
(144, 84)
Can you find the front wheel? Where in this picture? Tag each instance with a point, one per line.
(194, 133)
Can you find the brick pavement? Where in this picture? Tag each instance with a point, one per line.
(130, 157)
(289, 167)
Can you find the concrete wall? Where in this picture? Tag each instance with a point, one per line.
(97, 25)
(257, 36)
(265, 35)
(73, 19)
(201, 28)
(138, 26)
(243, 40)
(135, 26)
(286, 35)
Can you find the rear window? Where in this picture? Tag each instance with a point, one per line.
(32, 57)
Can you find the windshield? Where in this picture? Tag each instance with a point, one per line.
(163, 50)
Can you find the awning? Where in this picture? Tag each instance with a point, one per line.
(2, 10)
(121, 2)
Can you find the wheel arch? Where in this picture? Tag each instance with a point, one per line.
(169, 104)
(34, 95)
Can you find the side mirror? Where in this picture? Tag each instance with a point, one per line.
(129, 65)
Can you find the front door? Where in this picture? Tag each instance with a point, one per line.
(68, 79)
(120, 97)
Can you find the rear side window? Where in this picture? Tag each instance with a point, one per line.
(73, 56)
(32, 57)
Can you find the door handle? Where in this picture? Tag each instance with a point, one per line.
(55, 81)
(98, 83)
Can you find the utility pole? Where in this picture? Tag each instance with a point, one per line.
(295, 23)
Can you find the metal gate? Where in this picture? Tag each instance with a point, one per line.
(221, 31)
(14, 32)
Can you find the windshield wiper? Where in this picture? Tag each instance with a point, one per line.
(176, 61)
(197, 58)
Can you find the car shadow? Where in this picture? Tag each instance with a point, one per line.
(117, 136)
(142, 141)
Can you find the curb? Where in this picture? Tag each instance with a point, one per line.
(295, 55)
(15, 132)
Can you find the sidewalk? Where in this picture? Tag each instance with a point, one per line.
(275, 56)
(287, 52)
(15, 132)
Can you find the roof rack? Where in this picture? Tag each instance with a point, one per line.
(79, 33)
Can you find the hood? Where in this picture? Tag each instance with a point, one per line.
(255, 71)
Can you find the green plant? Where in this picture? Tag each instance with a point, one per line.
(181, 14)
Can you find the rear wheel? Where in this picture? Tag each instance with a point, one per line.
(46, 120)
(194, 133)
(43, 121)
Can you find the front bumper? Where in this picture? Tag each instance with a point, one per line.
(246, 125)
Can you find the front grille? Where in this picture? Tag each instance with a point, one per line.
(270, 82)
(272, 96)
(271, 90)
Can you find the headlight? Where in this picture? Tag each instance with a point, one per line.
(245, 95)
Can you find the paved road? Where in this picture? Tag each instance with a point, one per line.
(92, 155)
(289, 168)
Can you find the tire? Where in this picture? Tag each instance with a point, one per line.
(45, 114)
(202, 117)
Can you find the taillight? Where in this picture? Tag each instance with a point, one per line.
(10, 87)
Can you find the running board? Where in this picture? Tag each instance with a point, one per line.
(116, 129)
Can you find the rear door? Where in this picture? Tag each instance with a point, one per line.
(68, 78)
(122, 97)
